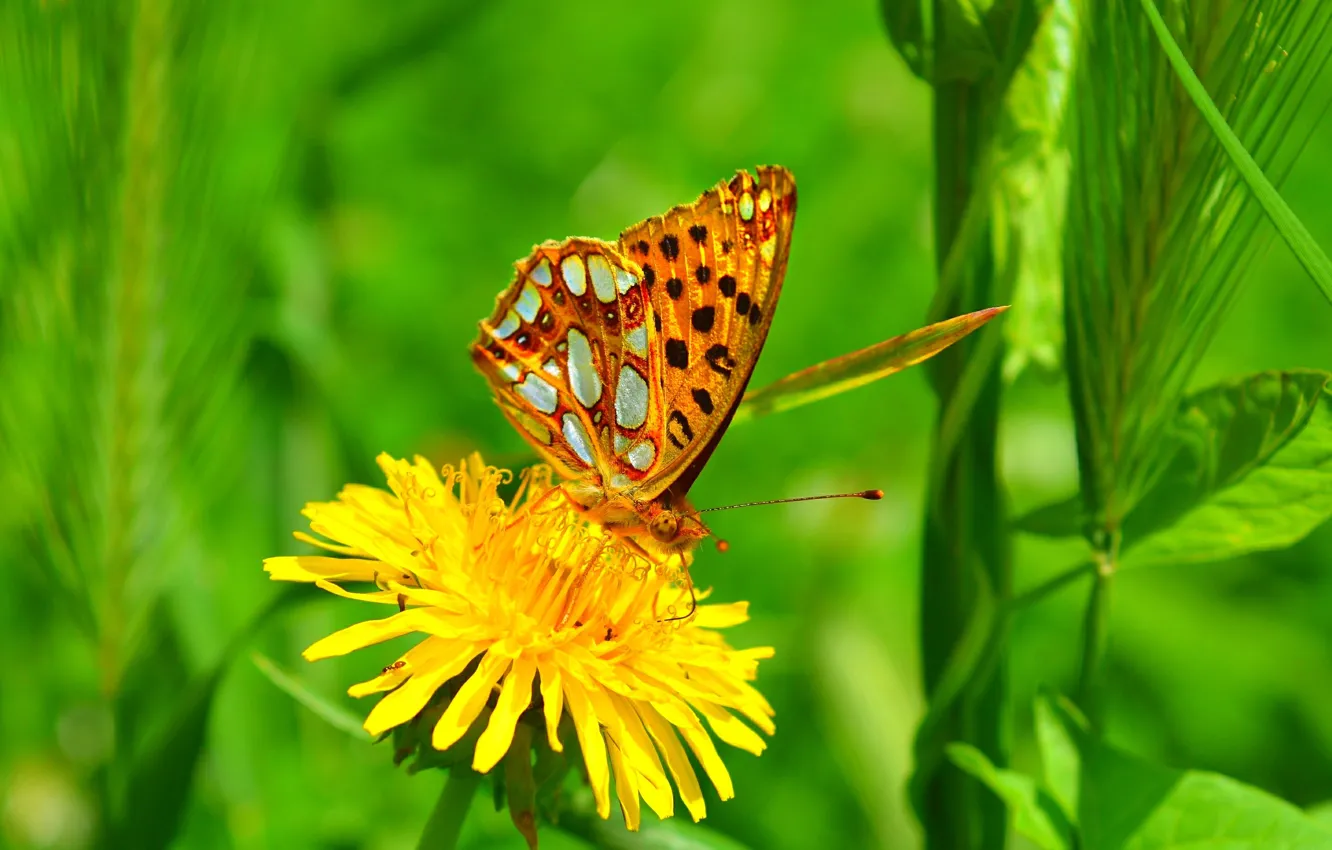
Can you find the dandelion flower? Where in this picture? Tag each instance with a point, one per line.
(529, 612)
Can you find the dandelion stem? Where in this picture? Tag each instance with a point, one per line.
(446, 820)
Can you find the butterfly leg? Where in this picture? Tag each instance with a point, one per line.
(693, 598)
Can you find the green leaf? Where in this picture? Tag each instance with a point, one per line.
(1059, 755)
(1251, 470)
(1126, 802)
(910, 26)
(860, 367)
(335, 715)
(1030, 166)
(161, 773)
(1036, 814)
(1057, 519)
(1297, 236)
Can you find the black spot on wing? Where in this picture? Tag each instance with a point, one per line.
(670, 246)
(677, 353)
(674, 288)
(703, 318)
(698, 233)
(704, 401)
(703, 273)
(726, 285)
(720, 360)
(742, 304)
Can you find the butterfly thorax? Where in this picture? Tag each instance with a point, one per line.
(666, 525)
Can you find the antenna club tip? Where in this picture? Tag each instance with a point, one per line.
(872, 495)
(723, 546)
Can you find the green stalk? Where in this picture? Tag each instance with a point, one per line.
(1095, 635)
(965, 526)
(446, 819)
(130, 291)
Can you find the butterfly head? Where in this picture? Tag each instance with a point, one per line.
(673, 529)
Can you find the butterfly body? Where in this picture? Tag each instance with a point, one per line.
(622, 362)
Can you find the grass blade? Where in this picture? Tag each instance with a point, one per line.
(858, 368)
(335, 715)
(1287, 223)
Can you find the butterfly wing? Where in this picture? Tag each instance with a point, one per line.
(567, 354)
(623, 364)
(714, 271)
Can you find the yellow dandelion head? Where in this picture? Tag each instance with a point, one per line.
(528, 610)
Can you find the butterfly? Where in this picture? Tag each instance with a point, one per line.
(623, 362)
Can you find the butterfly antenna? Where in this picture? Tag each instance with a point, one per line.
(871, 495)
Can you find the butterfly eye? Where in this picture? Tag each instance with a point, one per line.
(665, 528)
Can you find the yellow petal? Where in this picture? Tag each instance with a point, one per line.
(445, 662)
(515, 696)
(552, 698)
(626, 788)
(730, 728)
(367, 633)
(594, 746)
(324, 544)
(721, 616)
(676, 759)
(680, 715)
(643, 758)
(314, 567)
(469, 700)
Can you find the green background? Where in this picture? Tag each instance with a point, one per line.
(339, 191)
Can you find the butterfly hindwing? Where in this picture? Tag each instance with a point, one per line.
(568, 355)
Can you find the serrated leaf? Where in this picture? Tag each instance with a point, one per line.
(1251, 470)
(1127, 803)
(336, 716)
(1036, 814)
(858, 368)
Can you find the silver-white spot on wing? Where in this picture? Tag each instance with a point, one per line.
(506, 327)
(539, 393)
(642, 454)
(550, 367)
(511, 371)
(620, 481)
(576, 436)
(541, 274)
(631, 398)
(603, 284)
(575, 274)
(625, 280)
(528, 303)
(583, 377)
(621, 443)
(636, 339)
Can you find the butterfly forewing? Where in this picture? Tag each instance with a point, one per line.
(622, 364)
(714, 270)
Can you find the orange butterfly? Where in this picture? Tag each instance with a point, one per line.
(623, 363)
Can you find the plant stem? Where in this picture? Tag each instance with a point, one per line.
(446, 820)
(1095, 631)
(1049, 586)
(965, 528)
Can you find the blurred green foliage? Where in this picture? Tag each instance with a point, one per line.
(243, 248)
